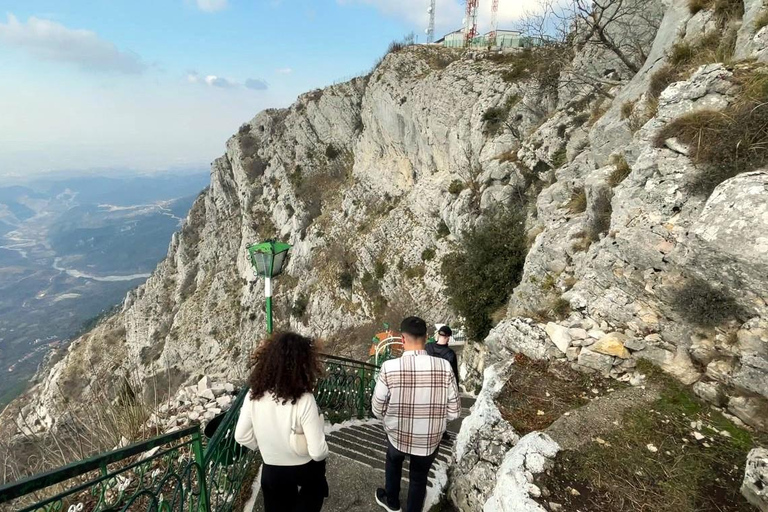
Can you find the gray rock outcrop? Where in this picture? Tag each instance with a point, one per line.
(755, 486)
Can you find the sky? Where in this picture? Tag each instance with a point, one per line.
(161, 84)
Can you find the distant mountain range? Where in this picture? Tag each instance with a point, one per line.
(71, 248)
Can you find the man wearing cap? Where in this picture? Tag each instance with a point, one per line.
(441, 349)
(416, 396)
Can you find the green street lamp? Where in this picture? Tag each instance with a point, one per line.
(268, 259)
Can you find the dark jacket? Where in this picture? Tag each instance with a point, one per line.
(444, 352)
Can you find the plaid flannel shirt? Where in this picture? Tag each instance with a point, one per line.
(416, 395)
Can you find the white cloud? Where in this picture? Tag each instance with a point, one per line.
(255, 84)
(284, 71)
(211, 5)
(218, 81)
(449, 13)
(52, 41)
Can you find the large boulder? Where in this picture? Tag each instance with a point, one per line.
(481, 445)
(755, 485)
(514, 491)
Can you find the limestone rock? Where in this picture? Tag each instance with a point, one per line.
(203, 384)
(481, 445)
(595, 360)
(559, 336)
(612, 344)
(518, 336)
(755, 485)
(512, 493)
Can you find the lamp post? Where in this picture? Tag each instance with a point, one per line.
(268, 260)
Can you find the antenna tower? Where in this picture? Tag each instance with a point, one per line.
(470, 22)
(431, 29)
(494, 23)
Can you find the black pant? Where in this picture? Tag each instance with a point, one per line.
(417, 485)
(294, 488)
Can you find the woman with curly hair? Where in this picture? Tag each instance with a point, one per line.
(281, 419)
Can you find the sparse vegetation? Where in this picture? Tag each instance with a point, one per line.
(456, 187)
(507, 156)
(442, 229)
(559, 158)
(416, 272)
(728, 142)
(299, 307)
(428, 254)
(685, 57)
(621, 171)
(484, 270)
(653, 461)
(761, 20)
(495, 118)
(331, 152)
(578, 201)
(379, 269)
(704, 305)
(724, 10)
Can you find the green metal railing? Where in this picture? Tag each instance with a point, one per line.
(179, 471)
(162, 473)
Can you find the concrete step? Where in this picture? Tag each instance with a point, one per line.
(371, 444)
(348, 450)
(467, 401)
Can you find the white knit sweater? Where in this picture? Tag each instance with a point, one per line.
(266, 424)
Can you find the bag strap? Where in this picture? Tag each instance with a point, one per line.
(295, 418)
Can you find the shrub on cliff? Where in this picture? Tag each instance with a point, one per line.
(482, 273)
(728, 142)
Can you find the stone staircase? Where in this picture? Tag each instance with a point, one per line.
(357, 461)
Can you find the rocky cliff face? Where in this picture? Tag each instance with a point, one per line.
(358, 178)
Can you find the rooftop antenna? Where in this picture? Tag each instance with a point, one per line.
(470, 22)
(494, 23)
(431, 28)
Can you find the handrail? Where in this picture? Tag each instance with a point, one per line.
(195, 478)
(79, 468)
(352, 361)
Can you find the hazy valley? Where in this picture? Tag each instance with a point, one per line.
(69, 251)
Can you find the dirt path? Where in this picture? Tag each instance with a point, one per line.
(600, 416)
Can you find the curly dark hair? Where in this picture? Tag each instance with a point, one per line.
(287, 365)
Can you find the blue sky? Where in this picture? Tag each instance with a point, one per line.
(160, 84)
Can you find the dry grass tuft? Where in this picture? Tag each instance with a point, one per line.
(726, 143)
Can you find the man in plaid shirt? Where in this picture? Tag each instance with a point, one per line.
(416, 395)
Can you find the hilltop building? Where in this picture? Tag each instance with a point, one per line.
(504, 39)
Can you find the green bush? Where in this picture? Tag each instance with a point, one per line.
(346, 279)
(428, 254)
(560, 158)
(701, 304)
(379, 269)
(482, 273)
(456, 187)
(331, 152)
(300, 306)
(442, 230)
(416, 272)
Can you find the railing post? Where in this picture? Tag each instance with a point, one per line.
(197, 448)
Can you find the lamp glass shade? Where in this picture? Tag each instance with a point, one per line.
(268, 258)
(278, 262)
(261, 261)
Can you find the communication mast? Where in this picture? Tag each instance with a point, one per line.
(470, 22)
(494, 23)
(431, 29)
